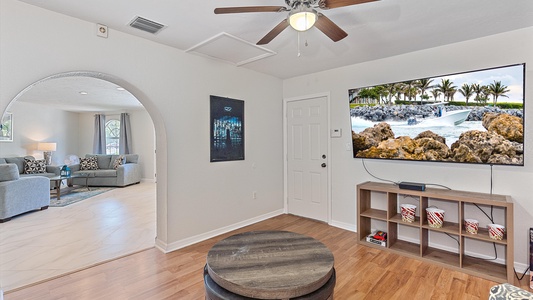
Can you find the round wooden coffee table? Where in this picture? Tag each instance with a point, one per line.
(269, 265)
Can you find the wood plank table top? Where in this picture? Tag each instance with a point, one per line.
(270, 264)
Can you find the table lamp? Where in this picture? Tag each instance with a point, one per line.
(47, 149)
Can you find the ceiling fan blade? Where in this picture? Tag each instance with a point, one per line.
(249, 9)
(327, 4)
(274, 32)
(329, 28)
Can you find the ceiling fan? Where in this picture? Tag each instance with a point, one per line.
(302, 16)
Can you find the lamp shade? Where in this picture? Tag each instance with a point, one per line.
(302, 19)
(46, 146)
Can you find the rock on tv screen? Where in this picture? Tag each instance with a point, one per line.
(470, 117)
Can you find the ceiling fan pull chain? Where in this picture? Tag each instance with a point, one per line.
(298, 33)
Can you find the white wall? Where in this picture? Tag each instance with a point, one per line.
(143, 141)
(39, 123)
(498, 50)
(194, 197)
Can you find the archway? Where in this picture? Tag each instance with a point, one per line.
(160, 135)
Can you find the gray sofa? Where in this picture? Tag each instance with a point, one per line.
(50, 171)
(106, 175)
(21, 194)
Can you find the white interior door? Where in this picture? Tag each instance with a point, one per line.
(307, 158)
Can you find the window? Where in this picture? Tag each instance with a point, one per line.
(112, 136)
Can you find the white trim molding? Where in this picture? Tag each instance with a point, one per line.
(166, 248)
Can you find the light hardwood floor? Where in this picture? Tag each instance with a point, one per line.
(362, 272)
(45, 244)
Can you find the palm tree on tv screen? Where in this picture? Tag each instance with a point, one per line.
(423, 85)
(467, 90)
(447, 88)
(392, 89)
(480, 91)
(408, 89)
(497, 89)
(436, 94)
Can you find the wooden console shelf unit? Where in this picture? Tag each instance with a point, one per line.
(378, 203)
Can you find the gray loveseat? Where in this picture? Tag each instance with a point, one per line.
(21, 194)
(105, 174)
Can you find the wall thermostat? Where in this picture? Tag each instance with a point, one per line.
(335, 133)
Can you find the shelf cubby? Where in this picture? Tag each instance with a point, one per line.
(490, 270)
(441, 256)
(406, 247)
(380, 202)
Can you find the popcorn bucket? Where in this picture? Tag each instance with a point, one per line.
(435, 217)
(496, 231)
(408, 212)
(471, 226)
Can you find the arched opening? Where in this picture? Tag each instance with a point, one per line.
(152, 162)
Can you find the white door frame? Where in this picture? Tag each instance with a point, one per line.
(285, 150)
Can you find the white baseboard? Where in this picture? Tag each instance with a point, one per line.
(520, 268)
(160, 245)
(342, 225)
(166, 248)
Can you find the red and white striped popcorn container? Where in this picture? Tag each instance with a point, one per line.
(435, 217)
(471, 226)
(408, 212)
(496, 231)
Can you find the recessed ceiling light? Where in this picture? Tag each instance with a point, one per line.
(83, 93)
(121, 88)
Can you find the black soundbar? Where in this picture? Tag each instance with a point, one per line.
(414, 186)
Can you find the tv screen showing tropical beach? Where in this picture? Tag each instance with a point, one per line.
(470, 117)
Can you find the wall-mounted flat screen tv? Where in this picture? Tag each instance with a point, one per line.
(469, 117)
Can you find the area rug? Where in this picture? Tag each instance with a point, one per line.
(76, 195)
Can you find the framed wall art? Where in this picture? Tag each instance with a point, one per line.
(6, 128)
(227, 129)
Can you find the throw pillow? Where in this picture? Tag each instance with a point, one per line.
(119, 161)
(34, 166)
(89, 163)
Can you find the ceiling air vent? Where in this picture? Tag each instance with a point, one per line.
(146, 25)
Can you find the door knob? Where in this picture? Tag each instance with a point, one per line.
(323, 165)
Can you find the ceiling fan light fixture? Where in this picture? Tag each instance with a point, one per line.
(302, 18)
